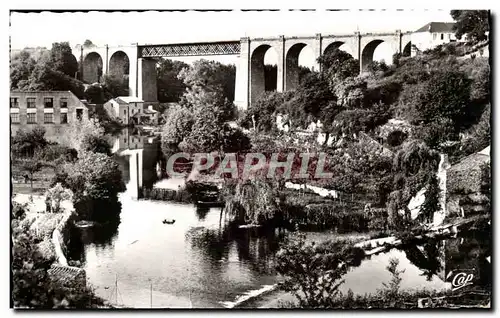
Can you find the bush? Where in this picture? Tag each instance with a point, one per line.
(313, 272)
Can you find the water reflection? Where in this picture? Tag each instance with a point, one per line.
(138, 155)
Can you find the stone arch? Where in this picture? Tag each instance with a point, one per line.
(92, 67)
(333, 46)
(257, 72)
(292, 66)
(367, 53)
(407, 49)
(119, 64)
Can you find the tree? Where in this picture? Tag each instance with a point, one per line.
(95, 143)
(45, 78)
(88, 43)
(210, 76)
(95, 180)
(472, 23)
(32, 286)
(86, 135)
(177, 127)
(311, 97)
(170, 86)
(313, 272)
(114, 86)
(31, 166)
(63, 60)
(95, 94)
(21, 67)
(338, 65)
(56, 194)
(392, 289)
(432, 195)
(264, 111)
(27, 143)
(445, 96)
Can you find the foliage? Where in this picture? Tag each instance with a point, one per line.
(26, 143)
(18, 210)
(31, 284)
(55, 70)
(392, 288)
(338, 65)
(178, 125)
(30, 167)
(472, 23)
(86, 135)
(95, 180)
(62, 59)
(88, 43)
(94, 94)
(56, 195)
(264, 111)
(432, 195)
(58, 153)
(95, 143)
(210, 76)
(411, 167)
(254, 201)
(313, 272)
(309, 101)
(21, 66)
(114, 86)
(170, 86)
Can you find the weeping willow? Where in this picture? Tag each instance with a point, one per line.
(254, 201)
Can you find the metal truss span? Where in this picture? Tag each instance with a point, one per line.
(190, 49)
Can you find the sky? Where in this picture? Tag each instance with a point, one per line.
(118, 28)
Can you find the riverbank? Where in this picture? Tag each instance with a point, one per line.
(376, 251)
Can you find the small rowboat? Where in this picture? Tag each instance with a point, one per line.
(168, 221)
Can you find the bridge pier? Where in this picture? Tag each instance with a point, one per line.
(241, 94)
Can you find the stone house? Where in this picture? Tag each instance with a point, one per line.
(53, 110)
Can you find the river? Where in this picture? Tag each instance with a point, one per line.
(201, 262)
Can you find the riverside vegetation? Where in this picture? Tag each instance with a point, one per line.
(383, 131)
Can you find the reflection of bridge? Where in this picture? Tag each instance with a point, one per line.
(142, 155)
(138, 61)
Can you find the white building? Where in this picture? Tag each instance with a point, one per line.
(131, 110)
(433, 34)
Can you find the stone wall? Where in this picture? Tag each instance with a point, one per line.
(465, 181)
(60, 271)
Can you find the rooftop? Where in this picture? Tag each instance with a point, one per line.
(128, 99)
(439, 27)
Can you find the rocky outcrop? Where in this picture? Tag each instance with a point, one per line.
(60, 271)
(468, 186)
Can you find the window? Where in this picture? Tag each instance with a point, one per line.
(48, 118)
(124, 112)
(14, 118)
(14, 102)
(31, 102)
(64, 118)
(31, 118)
(64, 102)
(79, 114)
(48, 102)
(442, 36)
(434, 36)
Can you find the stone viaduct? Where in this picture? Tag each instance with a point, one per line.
(139, 61)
